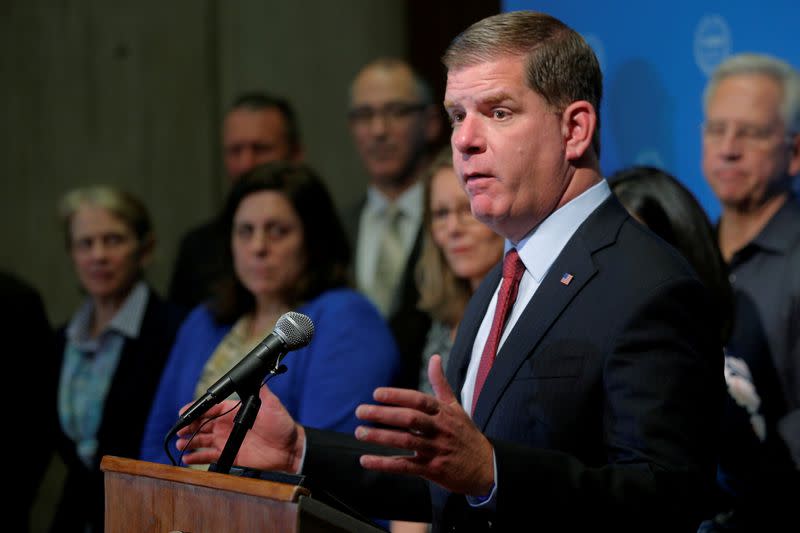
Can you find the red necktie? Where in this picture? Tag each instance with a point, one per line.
(512, 273)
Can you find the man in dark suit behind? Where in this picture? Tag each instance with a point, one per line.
(393, 123)
(600, 407)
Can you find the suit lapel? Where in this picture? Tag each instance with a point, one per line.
(549, 302)
(406, 293)
(351, 219)
(544, 308)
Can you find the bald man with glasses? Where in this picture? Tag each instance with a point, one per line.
(394, 124)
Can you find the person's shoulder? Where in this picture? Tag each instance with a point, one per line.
(342, 299)
(168, 314)
(201, 322)
(201, 315)
(200, 330)
(350, 216)
(792, 210)
(616, 239)
(14, 287)
(340, 310)
(345, 306)
(793, 204)
(636, 265)
(21, 300)
(782, 231)
(651, 253)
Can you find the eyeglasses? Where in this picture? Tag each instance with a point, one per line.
(441, 215)
(390, 112)
(749, 135)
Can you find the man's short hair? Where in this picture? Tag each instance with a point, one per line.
(560, 66)
(423, 88)
(761, 64)
(259, 101)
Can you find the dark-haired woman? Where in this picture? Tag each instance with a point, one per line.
(756, 476)
(288, 252)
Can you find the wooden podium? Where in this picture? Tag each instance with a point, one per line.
(148, 497)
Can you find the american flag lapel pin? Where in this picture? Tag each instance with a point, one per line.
(566, 278)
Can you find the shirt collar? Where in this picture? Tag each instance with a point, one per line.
(782, 232)
(127, 321)
(409, 202)
(540, 248)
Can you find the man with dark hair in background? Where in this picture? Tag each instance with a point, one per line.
(258, 128)
(394, 124)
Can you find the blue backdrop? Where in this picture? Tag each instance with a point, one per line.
(656, 59)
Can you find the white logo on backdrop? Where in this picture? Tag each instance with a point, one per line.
(712, 42)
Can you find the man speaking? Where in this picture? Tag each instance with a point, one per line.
(584, 385)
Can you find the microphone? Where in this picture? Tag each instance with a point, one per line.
(293, 330)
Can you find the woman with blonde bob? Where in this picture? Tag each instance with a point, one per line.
(112, 350)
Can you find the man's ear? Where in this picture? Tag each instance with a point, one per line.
(578, 124)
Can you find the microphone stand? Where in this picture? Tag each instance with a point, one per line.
(242, 423)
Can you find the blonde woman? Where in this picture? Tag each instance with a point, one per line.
(113, 348)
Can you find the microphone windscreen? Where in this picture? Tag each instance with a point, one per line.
(296, 329)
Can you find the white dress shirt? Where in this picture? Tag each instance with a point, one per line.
(538, 251)
(371, 227)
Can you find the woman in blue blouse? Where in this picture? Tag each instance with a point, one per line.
(288, 252)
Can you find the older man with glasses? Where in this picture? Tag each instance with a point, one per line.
(751, 154)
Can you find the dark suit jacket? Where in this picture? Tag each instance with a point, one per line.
(124, 414)
(602, 405)
(758, 479)
(28, 343)
(409, 325)
(199, 264)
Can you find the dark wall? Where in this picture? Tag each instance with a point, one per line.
(431, 27)
(131, 93)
